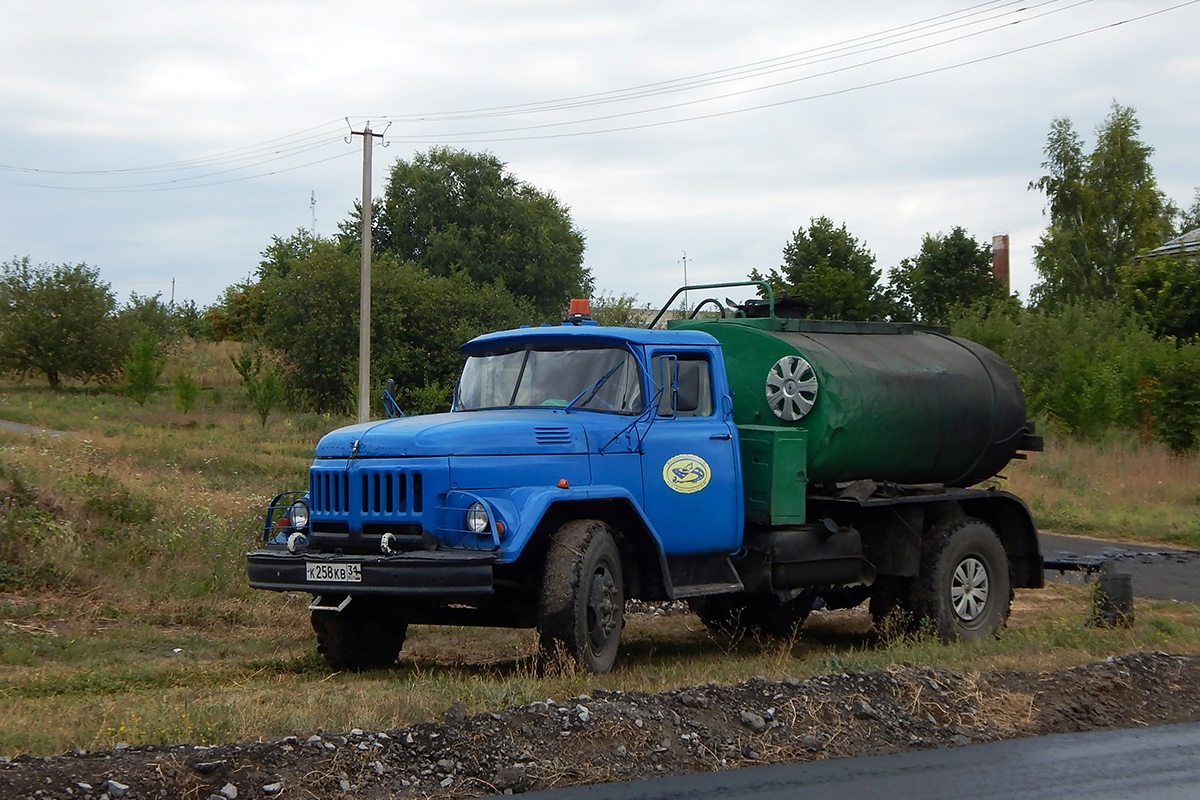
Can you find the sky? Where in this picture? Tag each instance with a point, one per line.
(166, 143)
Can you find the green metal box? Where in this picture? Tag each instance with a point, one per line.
(774, 473)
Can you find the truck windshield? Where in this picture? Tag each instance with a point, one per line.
(595, 379)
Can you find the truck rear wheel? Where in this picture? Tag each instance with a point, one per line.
(964, 587)
(361, 636)
(583, 595)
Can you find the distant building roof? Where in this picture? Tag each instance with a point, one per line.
(1188, 244)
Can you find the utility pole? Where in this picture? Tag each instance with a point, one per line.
(312, 204)
(364, 292)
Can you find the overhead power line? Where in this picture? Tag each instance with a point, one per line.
(923, 29)
(527, 133)
(448, 135)
(561, 118)
(249, 153)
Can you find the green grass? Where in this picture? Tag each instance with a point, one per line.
(125, 615)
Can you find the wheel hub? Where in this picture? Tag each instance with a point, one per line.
(969, 589)
(602, 611)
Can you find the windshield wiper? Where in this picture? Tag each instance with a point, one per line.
(595, 387)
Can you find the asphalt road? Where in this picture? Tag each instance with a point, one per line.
(20, 427)
(1157, 571)
(1157, 763)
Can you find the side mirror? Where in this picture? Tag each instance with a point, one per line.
(668, 379)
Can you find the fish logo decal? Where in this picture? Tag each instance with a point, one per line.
(686, 473)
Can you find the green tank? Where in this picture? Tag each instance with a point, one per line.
(868, 400)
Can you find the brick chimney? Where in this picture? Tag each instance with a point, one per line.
(1000, 260)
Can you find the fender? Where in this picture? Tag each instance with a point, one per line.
(523, 508)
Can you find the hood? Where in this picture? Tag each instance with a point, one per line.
(461, 433)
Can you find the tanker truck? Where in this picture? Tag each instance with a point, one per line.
(747, 460)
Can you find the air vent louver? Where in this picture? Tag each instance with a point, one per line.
(552, 435)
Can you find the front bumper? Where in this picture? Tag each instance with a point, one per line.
(427, 574)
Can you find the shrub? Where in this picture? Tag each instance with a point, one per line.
(186, 392)
(1173, 400)
(1080, 366)
(107, 497)
(264, 387)
(142, 366)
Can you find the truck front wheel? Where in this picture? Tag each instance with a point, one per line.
(964, 587)
(583, 595)
(362, 636)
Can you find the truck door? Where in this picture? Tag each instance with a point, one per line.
(690, 467)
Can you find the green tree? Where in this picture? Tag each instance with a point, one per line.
(150, 313)
(1189, 220)
(170, 322)
(618, 310)
(305, 307)
(58, 321)
(950, 272)
(238, 314)
(830, 270)
(417, 322)
(1104, 209)
(188, 320)
(143, 365)
(1165, 291)
(451, 211)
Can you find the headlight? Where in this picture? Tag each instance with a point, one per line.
(477, 518)
(299, 514)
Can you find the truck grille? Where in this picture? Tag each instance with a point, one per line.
(376, 492)
(329, 492)
(390, 492)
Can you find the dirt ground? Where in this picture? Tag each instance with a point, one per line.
(613, 736)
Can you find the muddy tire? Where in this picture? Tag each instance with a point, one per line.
(583, 596)
(964, 588)
(732, 616)
(361, 636)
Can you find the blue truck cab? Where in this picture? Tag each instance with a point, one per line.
(610, 448)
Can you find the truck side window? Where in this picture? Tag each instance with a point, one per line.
(694, 387)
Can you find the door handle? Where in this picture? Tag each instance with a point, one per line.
(721, 436)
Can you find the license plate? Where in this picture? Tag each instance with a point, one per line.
(333, 573)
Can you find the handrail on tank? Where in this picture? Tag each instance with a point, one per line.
(761, 284)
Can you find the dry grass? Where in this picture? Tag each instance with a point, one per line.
(208, 363)
(1120, 489)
